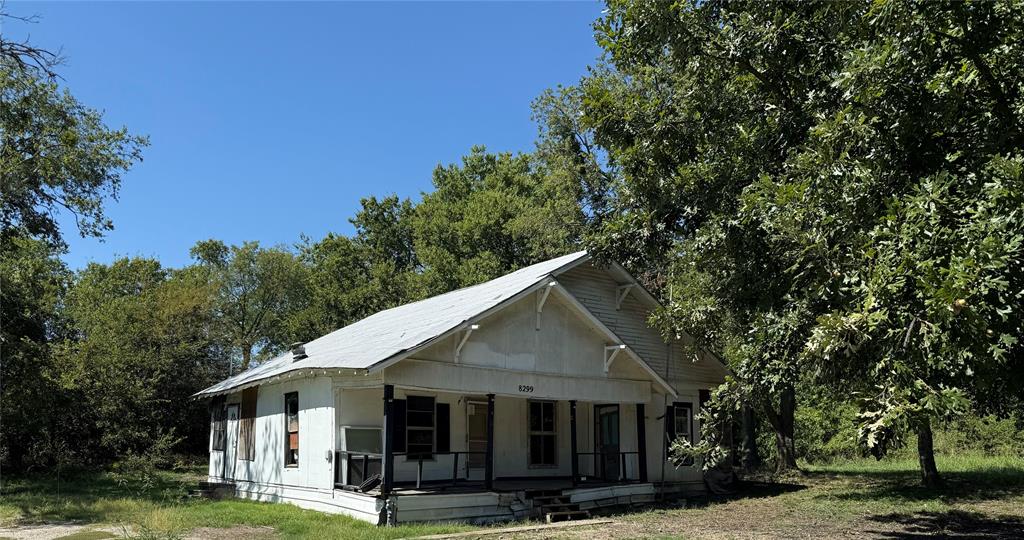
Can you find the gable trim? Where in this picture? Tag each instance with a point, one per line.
(543, 282)
(613, 337)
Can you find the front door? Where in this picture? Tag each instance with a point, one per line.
(476, 438)
(231, 442)
(606, 418)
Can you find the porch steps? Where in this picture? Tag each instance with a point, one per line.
(212, 490)
(554, 506)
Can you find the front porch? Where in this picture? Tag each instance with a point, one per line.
(508, 500)
(444, 441)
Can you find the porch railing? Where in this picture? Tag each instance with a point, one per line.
(599, 465)
(368, 464)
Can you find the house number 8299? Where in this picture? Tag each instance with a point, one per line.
(525, 388)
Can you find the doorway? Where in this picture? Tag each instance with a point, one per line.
(476, 439)
(231, 441)
(606, 433)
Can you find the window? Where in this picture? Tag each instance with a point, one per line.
(419, 425)
(291, 429)
(684, 421)
(247, 424)
(219, 419)
(679, 424)
(543, 435)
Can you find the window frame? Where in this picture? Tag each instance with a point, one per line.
(687, 406)
(247, 424)
(409, 428)
(531, 433)
(219, 435)
(290, 461)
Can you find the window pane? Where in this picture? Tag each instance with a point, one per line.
(421, 436)
(536, 450)
(420, 419)
(549, 449)
(549, 417)
(535, 416)
(420, 403)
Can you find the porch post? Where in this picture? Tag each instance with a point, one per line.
(641, 442)
(489, 459)
(388, 465)
(572, 442)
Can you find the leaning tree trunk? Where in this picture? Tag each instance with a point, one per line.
(785, 439)
(926, 455)
(749, 456)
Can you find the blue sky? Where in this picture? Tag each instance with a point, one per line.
(271, 120)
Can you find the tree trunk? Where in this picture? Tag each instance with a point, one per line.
(246, 356)
(785, 441)
(926, 455)
(749, 456)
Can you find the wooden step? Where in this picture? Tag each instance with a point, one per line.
(573, 515)
(550, 499)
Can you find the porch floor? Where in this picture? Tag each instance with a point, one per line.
(500, 486)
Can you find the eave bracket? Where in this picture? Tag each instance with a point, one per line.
(610, 352)
(465, 338)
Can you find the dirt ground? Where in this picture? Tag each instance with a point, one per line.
(832, 507)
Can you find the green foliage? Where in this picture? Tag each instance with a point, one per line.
(139, 349)
(56, 155)
(257, 290)
(32, 281)
(825, 188)
(826, 431)
(139, 472)
(493, 214)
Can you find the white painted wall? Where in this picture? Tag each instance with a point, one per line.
(316, 436)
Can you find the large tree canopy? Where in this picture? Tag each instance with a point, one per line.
(56, 156)
(830, 189)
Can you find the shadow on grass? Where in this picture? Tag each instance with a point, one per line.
(949, 524)
(966, 486)
(748, 490)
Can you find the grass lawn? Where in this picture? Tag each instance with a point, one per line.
(984, 498)
(160, 512)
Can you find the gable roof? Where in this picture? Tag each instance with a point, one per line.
(387, 334)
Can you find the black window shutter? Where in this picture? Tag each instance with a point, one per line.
(443, 430)
(398, 423)
(670, 424)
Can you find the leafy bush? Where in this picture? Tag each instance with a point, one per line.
(988, 435)
(140, 472)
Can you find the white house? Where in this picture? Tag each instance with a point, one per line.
(471, 405)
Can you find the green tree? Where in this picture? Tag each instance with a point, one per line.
(832, 189)
(56, 155)
(492, 214)
(33, 281)
(696, 104)
(258, 290)
(140, 346)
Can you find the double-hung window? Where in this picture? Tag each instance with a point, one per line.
(291, 429)
(543, 434)
(219, 435)
(679, 425)
(419, 426)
